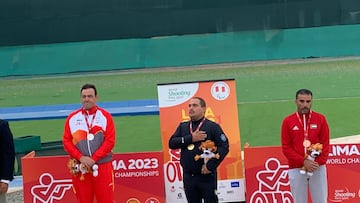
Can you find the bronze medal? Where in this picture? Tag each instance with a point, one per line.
(190, 147)
(306, 143)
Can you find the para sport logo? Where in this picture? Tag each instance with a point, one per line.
(49, 189)
(272, 181)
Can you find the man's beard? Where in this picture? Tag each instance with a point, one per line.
(305, 110)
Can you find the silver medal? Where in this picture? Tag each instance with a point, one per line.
(90, 136)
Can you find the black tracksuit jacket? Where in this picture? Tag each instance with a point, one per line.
(182, 139)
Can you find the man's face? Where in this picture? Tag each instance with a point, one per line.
(303, 103)
(88, 98)
(196, 112)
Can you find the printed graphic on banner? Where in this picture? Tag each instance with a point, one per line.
(175, 94)
(220, 90)
(48, 189)
(133, 173)
(267, 178)
(273, 183)
(344, 161)
(220, 97)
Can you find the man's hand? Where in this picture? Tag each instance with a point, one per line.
(310, 165)
(3, 187)
(204, 170)
(198, 136)
(89, 162)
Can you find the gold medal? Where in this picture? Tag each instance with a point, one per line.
(306, 143)
(190, 147)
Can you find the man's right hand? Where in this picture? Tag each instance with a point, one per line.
(310, 165)
(198, 135)
(88, 161)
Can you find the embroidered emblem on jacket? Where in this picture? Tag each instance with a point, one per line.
(295, 128)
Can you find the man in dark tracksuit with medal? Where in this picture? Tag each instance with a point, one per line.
(199, 178)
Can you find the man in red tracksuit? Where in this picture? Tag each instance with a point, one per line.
(298, 132)
(89, 137)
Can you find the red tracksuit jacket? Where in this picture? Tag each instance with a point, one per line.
(292, 137)
(76, 131)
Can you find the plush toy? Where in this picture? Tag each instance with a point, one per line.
(312, 152)
(76, 167)
(208, 149)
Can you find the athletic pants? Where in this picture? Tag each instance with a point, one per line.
(198, 187)
(100, 188)
(2, 197)
(300, 183)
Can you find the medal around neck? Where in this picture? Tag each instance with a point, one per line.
(90, 136)
(190, 147)
(306, 143)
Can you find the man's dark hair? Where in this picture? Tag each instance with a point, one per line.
(202, 101)
(303, 91)
(88, 86)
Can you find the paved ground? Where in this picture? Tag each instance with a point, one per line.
(15, 193)
(15, 197)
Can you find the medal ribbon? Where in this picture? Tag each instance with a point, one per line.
(199, 126)
(90, 125)
(306, 126)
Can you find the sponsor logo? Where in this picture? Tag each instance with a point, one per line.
(133, 200)
(235, 184)
(221, 186)
(180, 195)
(295, 128)
(152, 200)
(175, 94)
(340, 195)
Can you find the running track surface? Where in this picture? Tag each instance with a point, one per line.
(118, 108)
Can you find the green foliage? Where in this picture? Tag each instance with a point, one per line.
(265, 94)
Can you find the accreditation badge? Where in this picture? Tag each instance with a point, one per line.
(190, 147)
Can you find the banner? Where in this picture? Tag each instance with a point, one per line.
(135, 177)
(220, 97)
(267, 179)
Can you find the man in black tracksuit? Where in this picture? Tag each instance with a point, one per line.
(200, 179)
(7, 158)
